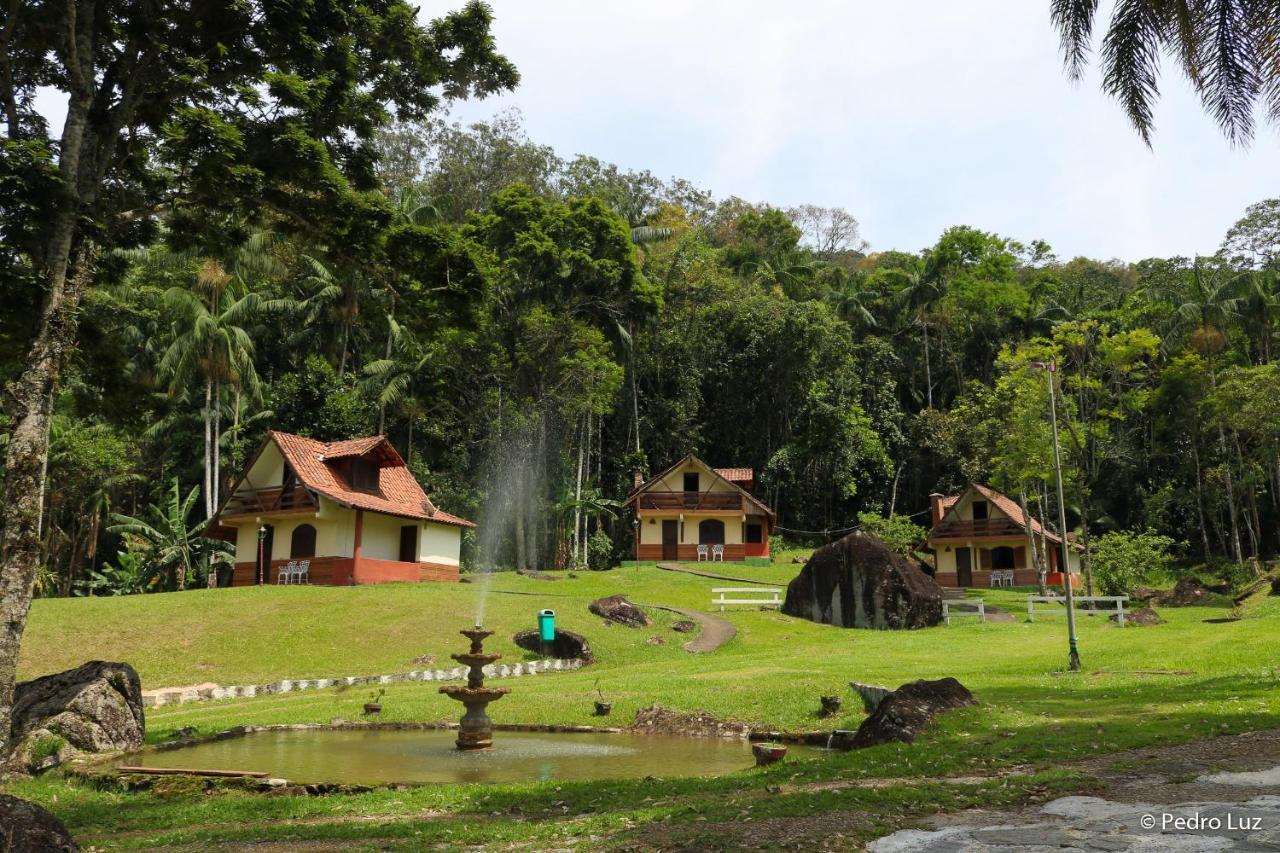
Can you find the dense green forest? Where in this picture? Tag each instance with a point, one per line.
(531, 330)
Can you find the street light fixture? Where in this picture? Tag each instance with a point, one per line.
(1073, 653)
(262, 538)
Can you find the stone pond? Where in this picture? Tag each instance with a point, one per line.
(375, 757)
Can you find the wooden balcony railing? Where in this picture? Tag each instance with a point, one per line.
(692, 501)
(984, 527)
(269, 500)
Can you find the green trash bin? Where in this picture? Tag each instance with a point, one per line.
(547, 626)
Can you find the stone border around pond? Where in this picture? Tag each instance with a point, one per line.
(160, 698)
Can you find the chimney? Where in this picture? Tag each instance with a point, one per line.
(639, 478)
(935, 508)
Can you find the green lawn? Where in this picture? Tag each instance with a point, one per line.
(771, 675)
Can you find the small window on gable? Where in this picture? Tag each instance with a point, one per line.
(364, 475)
(979, 510)
(691, 481)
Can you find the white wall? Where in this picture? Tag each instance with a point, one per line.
(651, 534)
(268, 471)
(381, 537)
(440, 543)
(674, 480)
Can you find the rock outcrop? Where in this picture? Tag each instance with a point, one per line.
(857, 582)
(907, 711)
(1186, 592)
(616, 608)
(96, 707)
(27, 828)
(567, 645)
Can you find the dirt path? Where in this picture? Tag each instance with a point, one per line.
(676, 567)
(714, 634)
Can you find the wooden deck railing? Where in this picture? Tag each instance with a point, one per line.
(691, 500)
(269, 500)
(983, 527)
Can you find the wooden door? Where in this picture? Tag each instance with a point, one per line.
(409, 543)
(670, 540)
(964, 568)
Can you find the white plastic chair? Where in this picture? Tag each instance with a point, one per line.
(286, 572)
(702, 553)
(302, 573)
(717, 553)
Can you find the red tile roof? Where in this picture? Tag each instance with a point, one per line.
(1005, 504)
(736, 475)
(398, 492)
(719, 472)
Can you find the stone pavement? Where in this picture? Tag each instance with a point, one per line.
(1095, 824)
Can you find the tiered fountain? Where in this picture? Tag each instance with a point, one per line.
(476, 729)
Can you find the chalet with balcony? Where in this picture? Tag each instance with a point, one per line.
(691, 504)
(351, 508)
(981, 531)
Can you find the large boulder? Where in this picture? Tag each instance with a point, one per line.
(27, 828)
(857, 582)
(96, 707)
(616, 608)
(907, 711)
(567, 644)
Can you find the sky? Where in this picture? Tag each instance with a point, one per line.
(914, 115)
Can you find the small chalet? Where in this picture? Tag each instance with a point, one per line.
(690, 505)
(981, 531)
(351, 508)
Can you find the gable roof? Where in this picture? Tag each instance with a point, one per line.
(715, 472)
(1007, 505)
(398, 493)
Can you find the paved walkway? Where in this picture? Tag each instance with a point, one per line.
(676, 567)
(1092, 823)
(714, 634)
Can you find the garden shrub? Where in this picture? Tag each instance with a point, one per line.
(1123, 559)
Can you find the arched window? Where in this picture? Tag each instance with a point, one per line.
(1002, 557)
(303, 543)
(711, 532)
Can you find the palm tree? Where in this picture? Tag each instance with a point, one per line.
(1260, 307)
(851, 304)
(391, 379)
(211, 345)
(921, 287)
(172, 548)
(1226, 49)
(1208, 308)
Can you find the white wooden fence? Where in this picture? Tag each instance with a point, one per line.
(964, 607)
(765, 597)
(1117, 602)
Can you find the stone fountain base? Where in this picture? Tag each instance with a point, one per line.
(475, 730)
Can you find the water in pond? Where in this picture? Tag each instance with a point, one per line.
(376, 757)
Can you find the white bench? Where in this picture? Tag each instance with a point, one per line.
(1117, 602)
(767, 597)
(964, 607)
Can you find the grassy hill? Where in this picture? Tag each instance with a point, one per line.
(1180, 681)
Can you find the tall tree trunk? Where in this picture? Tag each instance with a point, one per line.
(1086, 565)
(31, 400)
(1031, 542)
(208, 448)
(635, 395)
(217, 444)
(928, 369)
(1204, 527)
(577, 492)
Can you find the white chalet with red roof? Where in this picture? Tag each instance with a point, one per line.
(351, 508)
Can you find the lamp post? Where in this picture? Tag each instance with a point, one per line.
(262, 538)
(1073, 653)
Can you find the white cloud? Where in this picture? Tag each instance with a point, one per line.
(915, 115)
